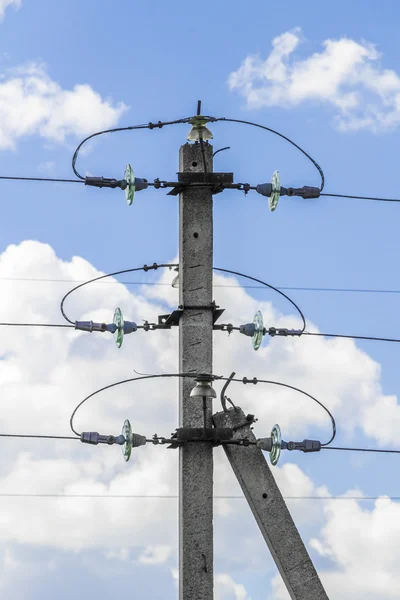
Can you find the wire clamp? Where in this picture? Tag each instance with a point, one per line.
(254, 381)
(147, 268)
(93, 437)
(304, 446)
(101, 182)
(304, 192)
(90, 326)
(272, 331)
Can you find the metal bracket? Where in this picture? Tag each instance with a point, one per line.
(199, 434)
(250, 419)
(170, 319)
(215, 181)
(173, 318)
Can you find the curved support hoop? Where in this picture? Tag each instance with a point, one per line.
(271, 287)
(316, 165)
(245, 380)
(156, 266)
(145, 268)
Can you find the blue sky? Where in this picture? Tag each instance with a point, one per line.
(325, 75)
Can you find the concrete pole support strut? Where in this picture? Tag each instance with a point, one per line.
(270, 511)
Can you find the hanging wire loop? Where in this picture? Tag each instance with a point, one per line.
(194, 376)
(145, 268)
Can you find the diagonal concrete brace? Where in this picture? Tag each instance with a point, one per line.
(270, 511)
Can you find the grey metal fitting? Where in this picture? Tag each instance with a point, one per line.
(90, 326)
(248, 329)
(305, 446)
(129, 327)
(138, 440)
(272, 331)
(141, 184)
(304, 192)
(265, 444)
(93, 437)
(103, 182)
(265, 189)
(120, 440)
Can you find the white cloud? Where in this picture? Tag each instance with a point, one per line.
(362, 547)
(150, 555)
(45, 372)
(4, 4)
(31, 103)
(355, 538)
(346, 75)
(227, 589)
(154, 555)
(48, 167)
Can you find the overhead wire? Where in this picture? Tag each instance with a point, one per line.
(50, 437)
(174, 265)
(287, 139)
(296, 389)
(267, 285)
(244, 380)
(155, 266)
(258, 287)
(36, 325)
(175, 496)
(354, 337)
(362, 197)
(362, 450)
(42, 179)
(144, 268)
(150, 126)
(160, 124)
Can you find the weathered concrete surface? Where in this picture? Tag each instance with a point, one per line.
(195, 354)
(270, 511)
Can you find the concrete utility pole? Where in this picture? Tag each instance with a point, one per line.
(270, 511)
(195, 354)
(196, 319)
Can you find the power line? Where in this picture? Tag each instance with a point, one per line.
(150, 126)
(354, 337)
(35, 325)
(335, 335)
(362, 197)
(268, 285)
(259, 287)
(174, 497)
(145, 268)
(82, 180)
(316, 165)
(361, 449)
(42, 179)
(48, 437)
(244, 381)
